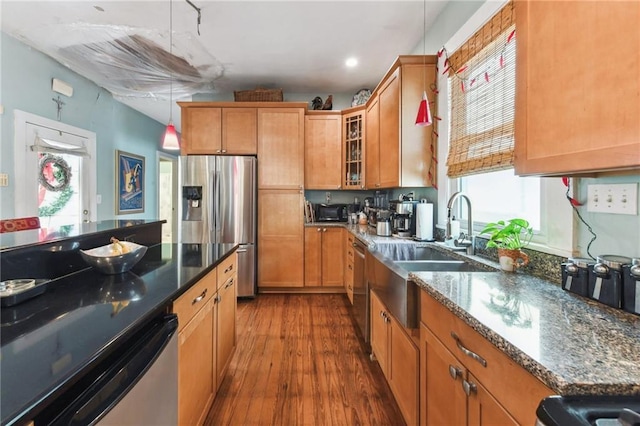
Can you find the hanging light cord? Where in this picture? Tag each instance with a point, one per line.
(424, 45)
(171, 56)
(594, 236)
(199, 14)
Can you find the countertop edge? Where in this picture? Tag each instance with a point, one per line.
(539, 371)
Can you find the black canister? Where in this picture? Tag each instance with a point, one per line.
(605, 279)
(631, 287)
(575, 275)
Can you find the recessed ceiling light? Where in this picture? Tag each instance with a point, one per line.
(351, 62)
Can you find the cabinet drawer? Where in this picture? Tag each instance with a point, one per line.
(516, 389)
(194, 299)
(350, 241)
(227, 268)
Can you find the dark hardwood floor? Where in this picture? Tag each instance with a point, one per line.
(299, 362)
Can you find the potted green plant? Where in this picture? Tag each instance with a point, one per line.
(509, 237)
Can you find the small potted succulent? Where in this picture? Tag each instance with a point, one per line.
(509, 237)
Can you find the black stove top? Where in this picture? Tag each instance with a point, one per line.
(592, 410)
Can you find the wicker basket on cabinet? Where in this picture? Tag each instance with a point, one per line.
(258, 95)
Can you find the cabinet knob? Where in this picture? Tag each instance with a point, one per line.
(469, 387)
(224, 151)
(324, 229)
(217, 150)
(454, 372)
(318, 229)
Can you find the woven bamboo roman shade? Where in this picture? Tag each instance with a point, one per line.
(482, 98)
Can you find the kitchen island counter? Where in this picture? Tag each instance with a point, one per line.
(52, 339)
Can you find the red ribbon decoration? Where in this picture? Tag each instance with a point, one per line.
(573, 201)
(462, 68)
(440, 52)
(511, 36)
(486, 76)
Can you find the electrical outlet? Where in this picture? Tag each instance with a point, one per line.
(619, 198)
(98, 199)
(327, 196)
(4, 179)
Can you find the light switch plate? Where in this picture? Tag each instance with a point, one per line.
(4, 179)
(620, 198)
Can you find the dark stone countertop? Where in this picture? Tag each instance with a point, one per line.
(574, 345)
(50, 340)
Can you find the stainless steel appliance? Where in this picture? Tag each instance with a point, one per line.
(605, 279)
(631, 286)
(137, 384)
(360, 289)
(598, 410)
(218, 205)
(403, 215)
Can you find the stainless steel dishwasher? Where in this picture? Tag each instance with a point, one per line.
(136, 385)
(360, 289)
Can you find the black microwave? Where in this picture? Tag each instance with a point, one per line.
(331, 213)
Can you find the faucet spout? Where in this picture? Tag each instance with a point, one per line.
(460, 241)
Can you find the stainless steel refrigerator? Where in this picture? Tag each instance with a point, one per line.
(218, 205)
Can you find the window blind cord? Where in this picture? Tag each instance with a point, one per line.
(594, 236)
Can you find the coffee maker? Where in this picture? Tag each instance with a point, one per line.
(403, 222)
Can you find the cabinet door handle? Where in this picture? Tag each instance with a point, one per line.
(318, 229)
(229, 283)
(467, 352)
(469, 387)
(199, 298)
(224, 151)
(350, 267)
(229, 269)
(217, 299)
(217, 150)
(454, 372)
(324, 229)
(349, 287)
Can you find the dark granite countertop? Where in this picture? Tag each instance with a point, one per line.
(50, 340)
(32, 237)
(572, 344)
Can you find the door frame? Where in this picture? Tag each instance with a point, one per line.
(21, 147)
(163, 156)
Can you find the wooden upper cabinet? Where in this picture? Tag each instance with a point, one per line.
(577, 87)
(353, 149)
(372, 144)
(201, 130)
(322, 151)
(281, 148)
(389, 100)
(240, 131)
(399, 153)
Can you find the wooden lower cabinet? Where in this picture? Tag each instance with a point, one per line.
(225, 327)
(206, 340)
(443, 401)
(323, 256)
(196, 387)
(349, 268)
(398, 357)
(280, 238)
(457, 389)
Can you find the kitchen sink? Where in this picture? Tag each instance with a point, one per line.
(423, 253)
(439, 266)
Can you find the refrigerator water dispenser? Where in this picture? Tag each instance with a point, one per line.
(191, 203)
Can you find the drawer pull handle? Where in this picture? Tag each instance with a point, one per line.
(467, 352)
(469, 387)
(229, 283)
(454, 372)
(229, 269)
(199, 298)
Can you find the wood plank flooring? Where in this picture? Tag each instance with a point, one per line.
(299, 362)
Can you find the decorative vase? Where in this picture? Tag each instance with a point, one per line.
(510, 260)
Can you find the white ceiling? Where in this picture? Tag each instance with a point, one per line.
(299, 46)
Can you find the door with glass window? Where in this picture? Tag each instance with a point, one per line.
(58, 169)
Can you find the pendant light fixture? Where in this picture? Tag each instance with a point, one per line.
(170, 140)
(423, 118)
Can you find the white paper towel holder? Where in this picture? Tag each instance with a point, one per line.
(415, 237)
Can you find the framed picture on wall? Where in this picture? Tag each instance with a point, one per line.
(130, 186)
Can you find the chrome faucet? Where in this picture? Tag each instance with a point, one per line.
(461, 240)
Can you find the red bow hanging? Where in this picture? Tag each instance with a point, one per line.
(573, 201)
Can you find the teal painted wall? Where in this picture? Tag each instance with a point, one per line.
(25, 84)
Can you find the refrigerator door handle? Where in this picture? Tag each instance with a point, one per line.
(218, 206)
